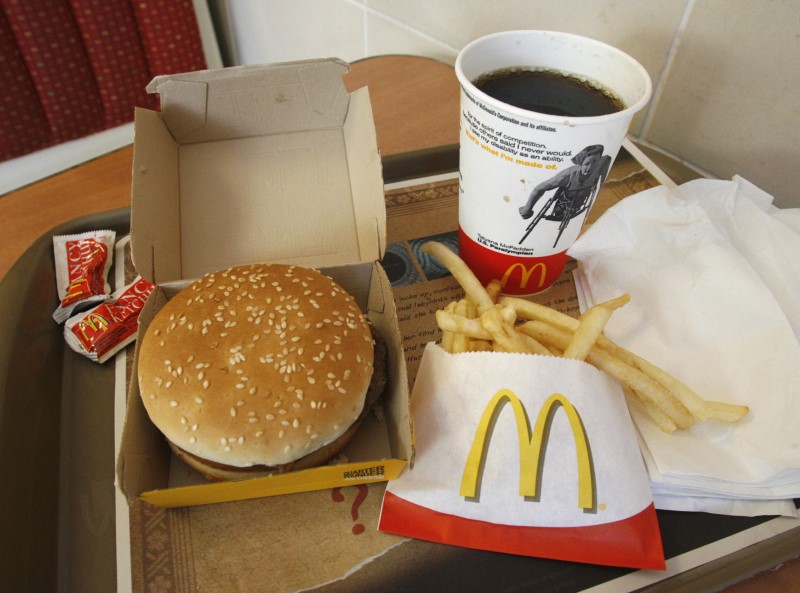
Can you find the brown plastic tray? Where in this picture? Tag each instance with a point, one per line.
(57, 464)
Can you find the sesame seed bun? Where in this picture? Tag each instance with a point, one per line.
(257, 368)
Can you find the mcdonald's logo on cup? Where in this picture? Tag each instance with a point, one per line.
(531, 446)
(519, 275)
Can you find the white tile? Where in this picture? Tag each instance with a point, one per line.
(730, 103)
(643, 29)
(275, 31)
(385, 36)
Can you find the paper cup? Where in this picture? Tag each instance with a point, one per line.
(529, 178)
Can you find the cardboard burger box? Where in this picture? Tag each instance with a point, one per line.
(252, 164)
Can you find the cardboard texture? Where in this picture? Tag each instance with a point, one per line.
(274, 163)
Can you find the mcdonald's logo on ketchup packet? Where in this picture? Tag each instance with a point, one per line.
(481, 478)
(104, 330)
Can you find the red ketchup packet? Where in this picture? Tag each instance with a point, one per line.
(104, 330)
(82, 264)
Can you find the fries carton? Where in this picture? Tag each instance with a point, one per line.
(273, 163)
(525, 454)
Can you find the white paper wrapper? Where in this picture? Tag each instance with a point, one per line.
(714, 273)
(450, 396)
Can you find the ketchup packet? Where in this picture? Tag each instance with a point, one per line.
(104, 330)
(82, 264)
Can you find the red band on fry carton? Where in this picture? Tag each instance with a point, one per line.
(105, 329)
(82, 264)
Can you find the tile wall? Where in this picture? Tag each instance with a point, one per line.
(725, 72)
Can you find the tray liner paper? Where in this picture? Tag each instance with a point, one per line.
(558, 473)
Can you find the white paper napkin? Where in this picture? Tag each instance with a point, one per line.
(714, 274)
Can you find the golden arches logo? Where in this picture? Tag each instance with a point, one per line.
(525, 273)
(93, 322)
(530, 446)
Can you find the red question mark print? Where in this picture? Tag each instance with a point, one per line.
(337, 496)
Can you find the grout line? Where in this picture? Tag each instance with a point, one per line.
(402, 25)
(668, 63)
(699, 170)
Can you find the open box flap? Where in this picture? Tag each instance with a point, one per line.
(272, 163)
(253, 100)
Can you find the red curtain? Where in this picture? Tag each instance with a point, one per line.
(70, 68)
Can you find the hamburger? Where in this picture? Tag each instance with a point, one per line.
(260, 369)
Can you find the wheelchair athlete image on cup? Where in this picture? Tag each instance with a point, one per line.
(575, 188)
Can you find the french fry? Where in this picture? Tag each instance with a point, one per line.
(635, 401)
(447, 335)
(487, 321)
(461, 341)
(651, 392)
(493, 289)
(590, 326)
(723, 412)
(535, 311)
(688, 398)
(505, 336)
(475, 291)
(452, 323)
(696, 405)
(480, 346)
